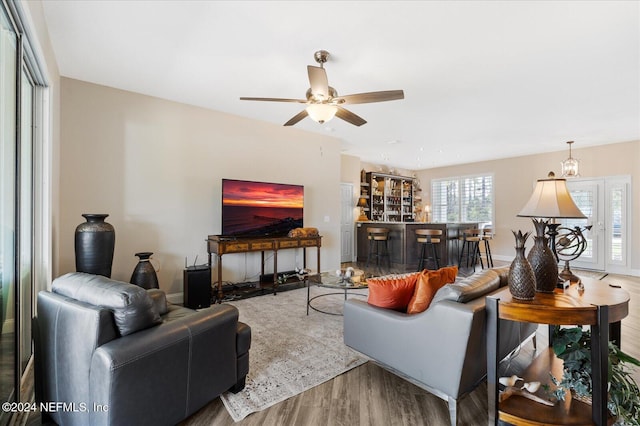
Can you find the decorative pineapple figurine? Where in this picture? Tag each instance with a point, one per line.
(542, 260)
(522, 280)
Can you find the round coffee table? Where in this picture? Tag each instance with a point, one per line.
(328, 280)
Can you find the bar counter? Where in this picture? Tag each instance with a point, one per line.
(403, 247)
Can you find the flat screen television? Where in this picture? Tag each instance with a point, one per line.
(260, 209)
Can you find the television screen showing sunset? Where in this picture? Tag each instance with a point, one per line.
(260, 208)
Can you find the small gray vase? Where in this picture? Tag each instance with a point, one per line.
(144, 275)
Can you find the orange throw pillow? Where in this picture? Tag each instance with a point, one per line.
(448, 274)
(393, 292)
(429, 282)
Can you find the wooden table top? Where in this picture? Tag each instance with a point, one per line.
(569, 306)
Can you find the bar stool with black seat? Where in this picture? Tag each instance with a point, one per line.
(428, 239)
(378, 245)
(453, 237)
(471, 242)
(487, 236)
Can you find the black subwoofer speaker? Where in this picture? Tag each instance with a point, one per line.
(197, 287)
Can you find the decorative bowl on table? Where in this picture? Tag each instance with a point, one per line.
(350, 276)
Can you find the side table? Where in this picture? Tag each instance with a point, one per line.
(330, 281)
(600, 306)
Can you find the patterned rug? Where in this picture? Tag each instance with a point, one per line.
(290, 351)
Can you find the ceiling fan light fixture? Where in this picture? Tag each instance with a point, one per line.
(321, 113)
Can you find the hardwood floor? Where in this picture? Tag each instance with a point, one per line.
(369, 395)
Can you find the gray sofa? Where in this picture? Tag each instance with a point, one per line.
(442, 349)
(117, 354)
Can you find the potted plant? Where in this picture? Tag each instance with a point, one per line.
(573, 347)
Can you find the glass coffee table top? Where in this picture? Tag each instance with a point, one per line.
(329, 280)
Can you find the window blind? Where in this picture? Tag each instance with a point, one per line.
(463, 199)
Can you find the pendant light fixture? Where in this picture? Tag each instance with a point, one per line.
(570, 165)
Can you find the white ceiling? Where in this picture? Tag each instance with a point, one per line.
(482, 79)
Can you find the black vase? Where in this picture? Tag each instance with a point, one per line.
(94, 243)
(144, 275)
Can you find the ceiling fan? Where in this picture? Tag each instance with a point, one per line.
(323, 102)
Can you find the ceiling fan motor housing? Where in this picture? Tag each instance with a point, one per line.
(332, 94)
(321, 56)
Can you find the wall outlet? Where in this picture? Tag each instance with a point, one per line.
(327, 219)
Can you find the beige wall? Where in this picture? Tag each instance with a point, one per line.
(156, 166)
(350, 170)
(350, 173)
(515, 179)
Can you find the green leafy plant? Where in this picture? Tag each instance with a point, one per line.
(573, 347)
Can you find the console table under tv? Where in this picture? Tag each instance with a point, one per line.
(219, 245)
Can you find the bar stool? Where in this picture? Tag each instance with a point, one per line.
(487, 236)
(378, 248)
(453, 244)
(428, 237)
(471, 241)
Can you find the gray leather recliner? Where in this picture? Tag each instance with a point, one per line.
(108, 352)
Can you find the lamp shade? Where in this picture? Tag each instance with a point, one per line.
(551, 199)
(362, 202)
(321, 113)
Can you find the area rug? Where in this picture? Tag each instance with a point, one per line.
(290, 351)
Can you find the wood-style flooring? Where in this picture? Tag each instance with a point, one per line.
(369, 395)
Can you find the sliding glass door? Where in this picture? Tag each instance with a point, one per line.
(25, 219)
(8, 206)
(22, 243)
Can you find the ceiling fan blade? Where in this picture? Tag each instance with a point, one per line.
(319, 82)
(300, 101)
(350, 117)
(299, 116)
(365, 98)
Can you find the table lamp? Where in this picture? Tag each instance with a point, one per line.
(550, 200)
(362, 203)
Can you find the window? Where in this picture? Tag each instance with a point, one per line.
(462, 199)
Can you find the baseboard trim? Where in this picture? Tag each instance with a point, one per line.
(635, 272)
